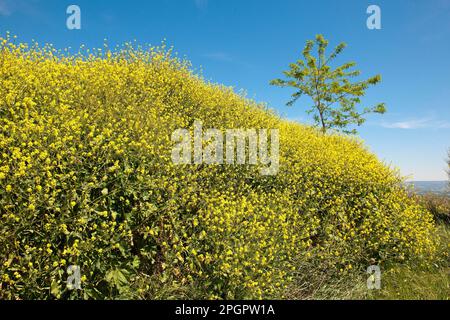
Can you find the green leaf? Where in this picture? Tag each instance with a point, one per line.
(117, 278)
(55, 289)
(136, 262)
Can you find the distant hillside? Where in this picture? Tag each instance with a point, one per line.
(438, 187)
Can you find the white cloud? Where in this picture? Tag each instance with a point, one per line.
(417, 124)
(219, 56)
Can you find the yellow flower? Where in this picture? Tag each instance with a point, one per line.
(96, 132)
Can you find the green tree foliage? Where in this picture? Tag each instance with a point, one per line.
(334, 96)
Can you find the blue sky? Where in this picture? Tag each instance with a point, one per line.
(246, 43)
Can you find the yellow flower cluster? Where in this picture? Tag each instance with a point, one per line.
(86, 179)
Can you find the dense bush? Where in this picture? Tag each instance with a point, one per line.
(438, 206)
(86, 179)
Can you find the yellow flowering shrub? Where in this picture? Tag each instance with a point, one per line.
(86, 179)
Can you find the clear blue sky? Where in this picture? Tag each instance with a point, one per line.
(246, 43)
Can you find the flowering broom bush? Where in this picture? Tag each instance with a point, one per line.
(86, 179)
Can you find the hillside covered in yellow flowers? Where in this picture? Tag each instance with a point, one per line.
(86, 179)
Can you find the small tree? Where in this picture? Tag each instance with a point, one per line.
(334, 96)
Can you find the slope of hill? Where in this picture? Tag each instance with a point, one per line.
(87, 179)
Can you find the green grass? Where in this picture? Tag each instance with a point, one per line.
(420, 282)
(399, 281)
